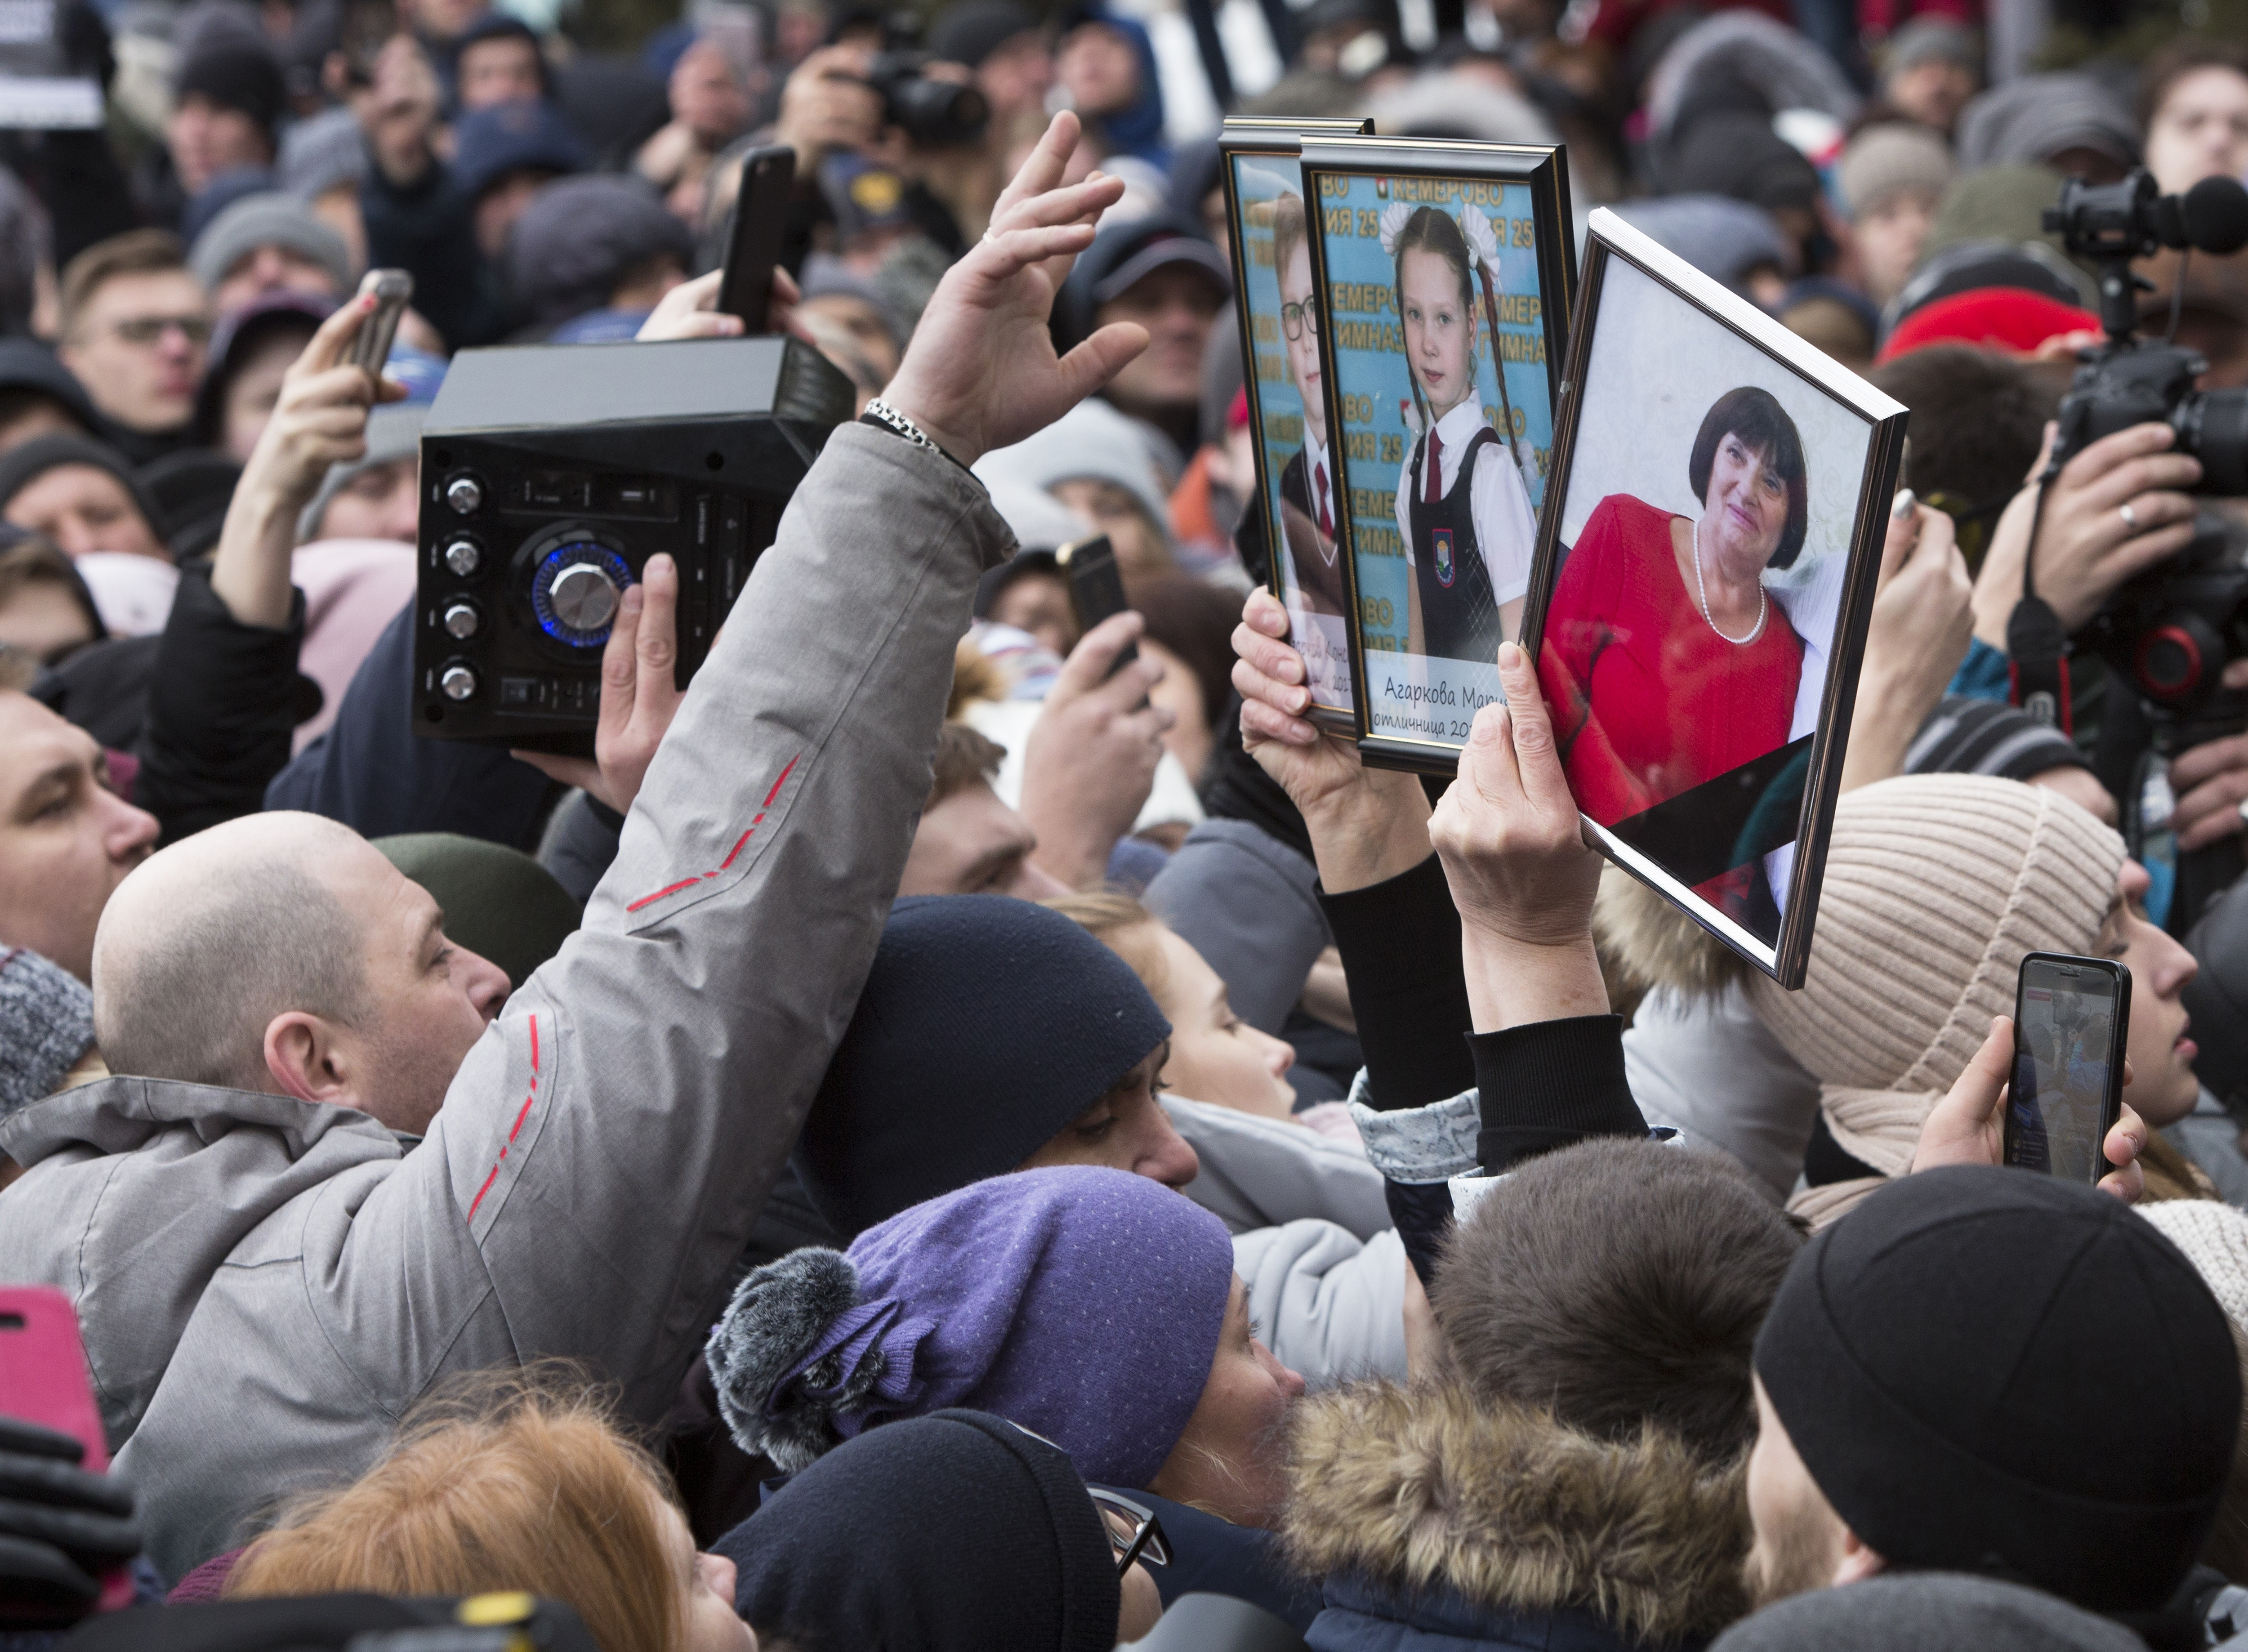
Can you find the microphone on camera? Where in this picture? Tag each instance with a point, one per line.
(2212, 216)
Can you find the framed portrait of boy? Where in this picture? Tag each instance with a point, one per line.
(1705, 571)
(1295, 476)
(1445, 272)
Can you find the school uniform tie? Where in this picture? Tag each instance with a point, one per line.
(1322, 491)
(1435, 494)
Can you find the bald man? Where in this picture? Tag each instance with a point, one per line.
(289, 1235)
(284, 953)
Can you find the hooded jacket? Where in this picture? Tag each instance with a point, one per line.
(267, 1285)
(1440, 1522)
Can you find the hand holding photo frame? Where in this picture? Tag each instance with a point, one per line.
(1280, 312)
(1704, 576)
(1445, 272)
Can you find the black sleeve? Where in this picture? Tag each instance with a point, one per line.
(1400, 943)
(223, 704)
(581, 840)
(1550, 1084)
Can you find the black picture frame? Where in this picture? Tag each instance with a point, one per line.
(1354, 182)
(1672, 846)
(1274, 146)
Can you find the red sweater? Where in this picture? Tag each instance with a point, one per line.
(1647, 700)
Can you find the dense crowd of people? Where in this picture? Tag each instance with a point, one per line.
(962, 1130)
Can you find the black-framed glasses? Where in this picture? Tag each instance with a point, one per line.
(1133, 1531)
(1294, 318)
(1971, 524)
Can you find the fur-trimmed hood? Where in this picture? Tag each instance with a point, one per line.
(1430, 1488)
(1648, 943)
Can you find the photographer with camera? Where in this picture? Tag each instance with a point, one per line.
(2106, 556)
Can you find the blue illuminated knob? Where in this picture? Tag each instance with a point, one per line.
(576, 590)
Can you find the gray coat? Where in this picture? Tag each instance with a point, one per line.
(266, 1286)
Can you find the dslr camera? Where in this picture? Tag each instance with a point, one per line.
(935, 114)
(2169, 632)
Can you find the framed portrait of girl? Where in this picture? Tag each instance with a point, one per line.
(1446, 271)
(1704, 576)
(1295, 478)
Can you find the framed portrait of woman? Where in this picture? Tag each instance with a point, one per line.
(1444, 272)
(1295, 475)
(1704, 575)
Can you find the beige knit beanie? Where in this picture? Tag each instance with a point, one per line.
(1935, 886)
(2215, 1240)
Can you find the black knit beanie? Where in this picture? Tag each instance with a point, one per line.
(986, 1024)
(952, 1533)
(1998, 1372)
(21, 465)
(235, 74)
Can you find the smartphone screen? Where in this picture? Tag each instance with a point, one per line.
(2072, 1017)
(753, 247)
(1096, 588)
(43, 1380)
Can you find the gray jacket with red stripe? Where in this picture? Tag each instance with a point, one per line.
(267, 1285)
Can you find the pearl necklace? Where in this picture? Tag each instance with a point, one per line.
(1702, 591)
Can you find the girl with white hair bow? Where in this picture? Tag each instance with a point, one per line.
(1465, 519)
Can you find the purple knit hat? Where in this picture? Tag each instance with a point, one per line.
(1079, 1303)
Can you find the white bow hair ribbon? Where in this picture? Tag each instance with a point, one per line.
(1483, 239)
(1392, 225)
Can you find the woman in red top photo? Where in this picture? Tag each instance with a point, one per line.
(1665, 660)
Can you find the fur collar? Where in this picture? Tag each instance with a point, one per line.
(1429, 1487)
(1648, 943)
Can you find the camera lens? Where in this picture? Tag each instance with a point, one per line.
(2213, 427)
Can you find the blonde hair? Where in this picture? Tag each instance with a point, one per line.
(522, 1482)
(1125, 927)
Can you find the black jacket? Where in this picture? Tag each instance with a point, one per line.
(370, 772)
(208, 707)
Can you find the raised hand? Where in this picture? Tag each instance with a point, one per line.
(1519, 869)
(1968, 1127)
(1090, 761)
(981, 372)
(640, 694)
(1366, 824)
(320, 420)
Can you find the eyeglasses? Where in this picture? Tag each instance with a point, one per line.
(1970, 523)
(1141, 1536)
(1294, 318)
(148, 329)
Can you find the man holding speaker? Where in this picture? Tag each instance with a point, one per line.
(349, 1166)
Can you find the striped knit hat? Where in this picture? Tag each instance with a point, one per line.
(1935, 886)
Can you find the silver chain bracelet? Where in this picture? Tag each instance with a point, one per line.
(891, 419)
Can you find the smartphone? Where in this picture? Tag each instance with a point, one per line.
(1096, 588)
(392, 290)
(43, 1380)
(753, 242)
(2072, 1024)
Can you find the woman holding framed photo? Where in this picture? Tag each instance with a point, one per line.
(1665, 660)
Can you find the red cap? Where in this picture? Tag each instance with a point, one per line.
(2013, 319)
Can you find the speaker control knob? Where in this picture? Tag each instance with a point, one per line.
(584, 598)
(461, 621)
(465, 495)
(459, 682)
(463, 557)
